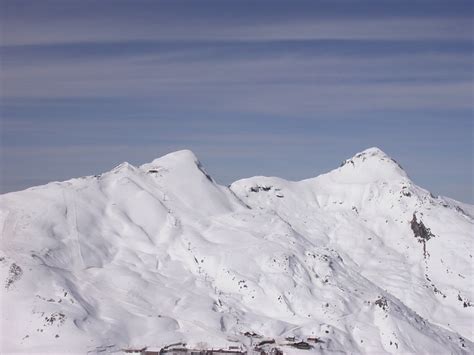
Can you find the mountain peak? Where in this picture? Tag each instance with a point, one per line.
(184, 156)
(371, 164)
(183, 162)
(373, 151)
(179, 160)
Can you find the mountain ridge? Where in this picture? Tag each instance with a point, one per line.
(360, 258)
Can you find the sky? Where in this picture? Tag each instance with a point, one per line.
(276, 88)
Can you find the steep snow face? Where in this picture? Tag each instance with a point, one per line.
(182, 175)
(360, 259)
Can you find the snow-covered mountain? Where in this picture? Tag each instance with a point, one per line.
(357, 260)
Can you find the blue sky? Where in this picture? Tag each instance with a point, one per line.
(252, 87)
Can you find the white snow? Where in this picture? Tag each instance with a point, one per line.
(162, 254)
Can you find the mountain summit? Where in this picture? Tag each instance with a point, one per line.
(181, 158)
(358, 260)
(370, 165)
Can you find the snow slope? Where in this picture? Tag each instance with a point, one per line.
(360, 258)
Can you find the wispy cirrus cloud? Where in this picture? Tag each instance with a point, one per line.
(247, 85)
(308, 80)
(31, 22)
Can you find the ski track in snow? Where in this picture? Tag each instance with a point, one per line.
(360, 258)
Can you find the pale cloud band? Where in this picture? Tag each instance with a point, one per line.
(247, 85)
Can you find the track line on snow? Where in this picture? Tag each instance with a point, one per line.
(72, 223)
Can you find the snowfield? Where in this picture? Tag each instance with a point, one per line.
(358, 260)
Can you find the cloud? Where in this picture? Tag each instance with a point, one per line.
(83, 31)
(32, 22)
(268, 80)
(248, 85)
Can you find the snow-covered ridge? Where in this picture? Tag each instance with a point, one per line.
(356, 260)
